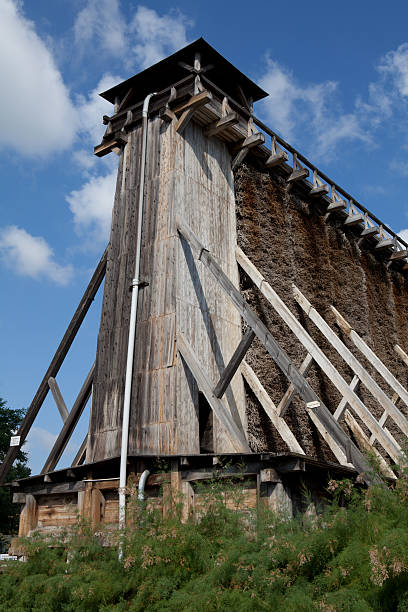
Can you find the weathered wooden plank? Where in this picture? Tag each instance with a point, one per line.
(56, 363)
(234, 363)
(59, 400)
(69, 424)
(243, 148)
(237, 437)
(29, 516)
(274, 349)
(351, 361)
(291, 391)
(371, 357)
(270, 409)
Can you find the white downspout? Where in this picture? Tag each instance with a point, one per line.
(141, 487)
(132, 327)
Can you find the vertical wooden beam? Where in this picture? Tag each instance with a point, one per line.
(28, 516)
(55, 364)
(97, 506)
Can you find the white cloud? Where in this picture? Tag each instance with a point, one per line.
(31, 256)
(310, 109)
(101, 21)
(399, 166)
(146, 39)
(156, 36)
(36, 114)
(395, 65)
(92, 208)
(39, 444)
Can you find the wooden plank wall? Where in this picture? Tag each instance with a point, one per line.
(188, 175)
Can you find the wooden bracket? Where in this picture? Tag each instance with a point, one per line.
(298, 173)
(243, 148)
(354, 217)
(107, 147)
(219, 126)
(188, 109)
(319, 187)
(277, 157)
(336, 203)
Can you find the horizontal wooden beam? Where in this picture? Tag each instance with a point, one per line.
(235, 435)
(234, 363)
(271, 410)
(70, 424)
(189, 108)
(56, 363)
(274, 349)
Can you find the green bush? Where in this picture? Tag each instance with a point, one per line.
(352, 557)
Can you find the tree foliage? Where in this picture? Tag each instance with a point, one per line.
(10, 420)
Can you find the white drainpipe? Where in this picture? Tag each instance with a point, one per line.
(132, 328)
(141, 487)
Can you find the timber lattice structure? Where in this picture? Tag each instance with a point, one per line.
(258, 336)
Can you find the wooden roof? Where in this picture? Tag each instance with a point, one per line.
(169, 71)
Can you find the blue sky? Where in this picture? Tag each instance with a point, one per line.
(338, 78)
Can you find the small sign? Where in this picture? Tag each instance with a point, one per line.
(15, 441)
(313, 404)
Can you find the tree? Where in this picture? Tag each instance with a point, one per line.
(10, 420)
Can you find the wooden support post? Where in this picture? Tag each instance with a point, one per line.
(55, 364)
(351, 361)
(28, 516)
(234, 363)
(270, 409)
(274, 349)
(318, 355)
(69, 424)
(59, 400)
(291, 391)
(235, 435)
(187, 492)
(278, 499)
(97, 506)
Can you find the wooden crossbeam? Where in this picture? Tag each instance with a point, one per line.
(291, 391)
(298, 173)
(312, 347)
(55, 364)
(188, 109)
(59, 400)
(352, 361)
(277, 157)
(234, 363)
(274, 349)
(270, 409)
(343, 402)
(235, 435)
(70, 424)
(369, 354)
(319, 188)
(355, 217)
(219, 126)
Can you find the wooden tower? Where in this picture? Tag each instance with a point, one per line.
(215, 181)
